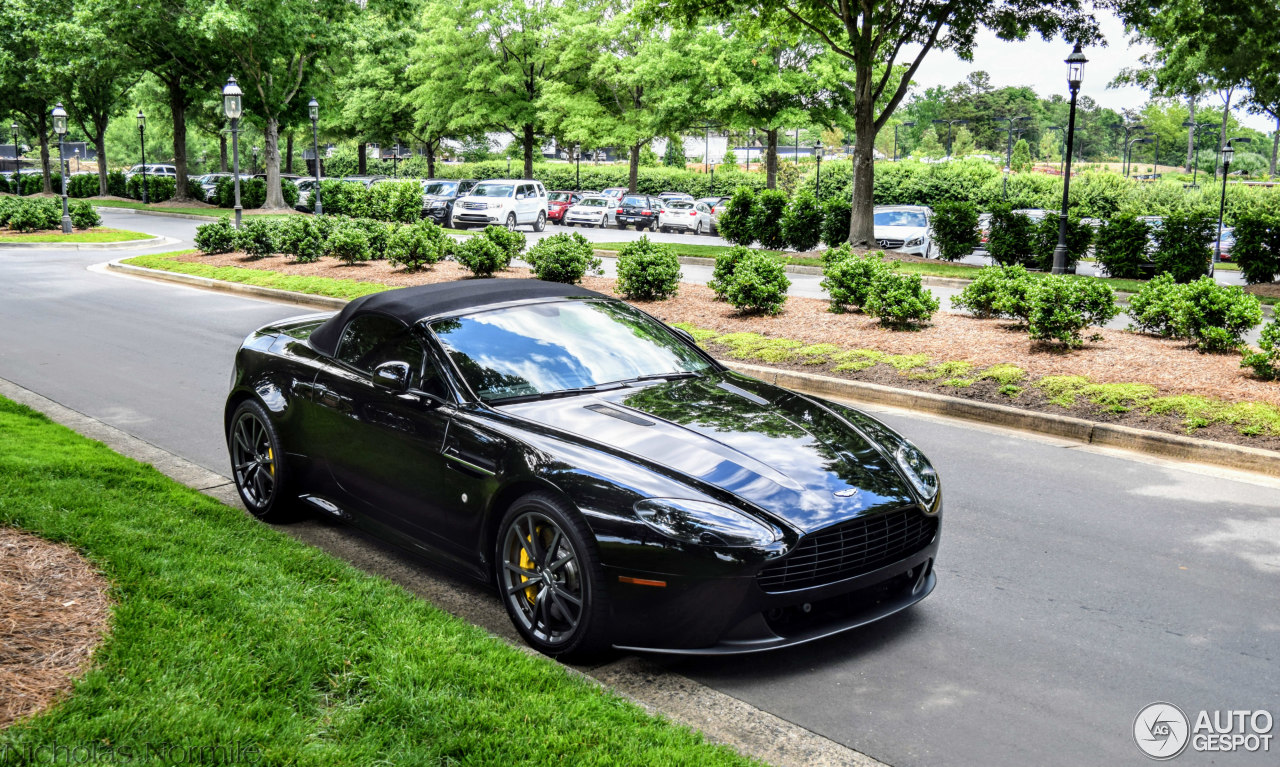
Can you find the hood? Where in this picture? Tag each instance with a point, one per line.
(774, 449)
(899, 232)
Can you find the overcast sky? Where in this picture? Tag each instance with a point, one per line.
(1039, 64)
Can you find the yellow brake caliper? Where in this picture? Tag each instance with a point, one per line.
(526, 563)
(271, 463)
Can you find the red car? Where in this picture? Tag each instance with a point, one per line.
(558, 203)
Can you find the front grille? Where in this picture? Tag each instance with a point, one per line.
(850, 549)
(476, 205)
(890, 244)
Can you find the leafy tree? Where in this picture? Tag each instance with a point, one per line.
(962, 144)
(26, 88)
(674, 156)
(1021, 161)
(929, 145)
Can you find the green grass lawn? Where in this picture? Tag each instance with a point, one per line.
(227, 633)
(319, 286)
(90, 235)
(210, 212)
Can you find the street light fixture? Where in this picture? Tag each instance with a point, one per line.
(1228, 152)
(1008, 152)
(577, 167)
(895, 136)
(60, 128)
(1128, 130)
(817, 152)
(313, 111)
(142, 144)
(949, 124)
(1195, 129)
(1075, 74)
(233, 107)
(17, 162)
(255, 160)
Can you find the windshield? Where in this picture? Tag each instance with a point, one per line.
(529, 350)
(560, 197)
(680, 205)
(492, 190)
(900, 218)
(446, 188)
(594, 202)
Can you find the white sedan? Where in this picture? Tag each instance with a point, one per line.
(904, 228)
(589, 211)
(685, 216)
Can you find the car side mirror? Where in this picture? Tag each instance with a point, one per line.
(519, 197)
(393, 376)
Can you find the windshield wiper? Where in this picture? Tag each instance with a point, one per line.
(674, 375)
(556, 393)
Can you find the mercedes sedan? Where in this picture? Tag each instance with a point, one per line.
(617, 486)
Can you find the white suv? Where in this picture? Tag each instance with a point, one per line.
(506, 202)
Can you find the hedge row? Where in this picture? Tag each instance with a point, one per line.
(558, 176)
(870, 284)
(1257, 247)
(38, 214)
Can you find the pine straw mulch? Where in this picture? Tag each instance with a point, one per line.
(53, 614)
(1264, 290)
(1120, 357)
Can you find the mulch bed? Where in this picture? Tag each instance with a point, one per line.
(1119, 357)
(53, 613)
(1264, 290)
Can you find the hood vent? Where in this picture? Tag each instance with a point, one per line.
(621, 415)
(742, 393)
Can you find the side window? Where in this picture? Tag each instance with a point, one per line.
(372, 339)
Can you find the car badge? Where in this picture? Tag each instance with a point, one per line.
(847, 492)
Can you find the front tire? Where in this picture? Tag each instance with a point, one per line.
(540, 224)
(511, 221)
(257, 464)
(550, 578)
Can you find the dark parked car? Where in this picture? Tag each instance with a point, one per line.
(438, 196)
(639, 211)
(618, 486)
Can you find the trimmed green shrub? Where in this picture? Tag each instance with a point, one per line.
(1121, 247)
(345, 198)
(300, 237)
(1257, 248)
(834, 254)
(83, 216)
(81, 185)
(1045, 241)
(1182, 246)
(563, 258)
(1266, 361)
(5, 186)
(511, 241)
(900, 300)
(159, 188)
(648, 271)
(33, 182)
(802, 222)
(849, 280)
(1062, 307)
(378, 233)
(253, 193)
(257, 237)
(735, 223)
(836, 214)
(482, 256)
(1015, 299)
(7, 206)
(36, 214)
(984, 296)
(1216, 316)
(396, 201)
(955, 229)
(418, 246)
(347, 243)
(117, 184)
(1010, 240)
(726, 262)
(218, 237)
(1154, 308)
(766, 220)
(759, 284)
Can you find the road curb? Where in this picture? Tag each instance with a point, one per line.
(1154, 443)
(150, 242)
(160, 213)
(720, 717)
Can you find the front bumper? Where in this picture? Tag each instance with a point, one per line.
(477, 216)
(569, 218)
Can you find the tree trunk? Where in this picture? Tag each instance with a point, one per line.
(100, 144)
(362, 158)
(1191, 133)
(1275, 145)
(771, 159)
(222, 152)
(528, 150)
(271, 138)
(47, 187)
(178, 107)
(288, 152)
(633, 170)
(861, 218)
(431, 159)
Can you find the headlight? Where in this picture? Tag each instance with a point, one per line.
(914, 242)
(918, 470)
(709, 524)
(437, 204)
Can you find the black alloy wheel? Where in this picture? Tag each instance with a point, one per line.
(550, 578)
(257, 464)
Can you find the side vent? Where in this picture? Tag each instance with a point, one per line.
(742, 393)
(621, 415)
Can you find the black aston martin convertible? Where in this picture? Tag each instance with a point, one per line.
(618, 485)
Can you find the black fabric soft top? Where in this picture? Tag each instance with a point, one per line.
(412, 304)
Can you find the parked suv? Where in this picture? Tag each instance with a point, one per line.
(439, 196)
(153, 170)
(507, 202)
(558, 203)
(638, 210)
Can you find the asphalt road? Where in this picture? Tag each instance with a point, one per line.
(1076, 585)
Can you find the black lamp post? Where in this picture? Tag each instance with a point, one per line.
(950, 123)
(233, 107)
(255, 160)
(508, 165)
(1228, 152)
(797, 146)
(577, 167)
(395, 161)
(1195, 129)
(142, 147)
(1075, 74)
(895, 137)
(817, 152)
(17, 161)
(751, 139)
(712, 185)
(1128, 130)
(60, 128)
(313, 111)
(1008, 151)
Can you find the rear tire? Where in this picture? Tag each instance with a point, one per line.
(511, 221)
(257, 465)
(564, 612)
